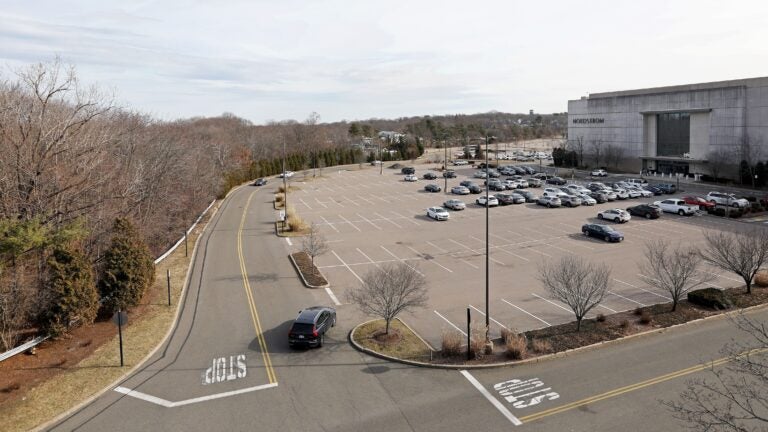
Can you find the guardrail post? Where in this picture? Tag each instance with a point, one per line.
(168, 275)
(469, 335)
(186, 250)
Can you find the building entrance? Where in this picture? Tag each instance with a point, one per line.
(672, 167)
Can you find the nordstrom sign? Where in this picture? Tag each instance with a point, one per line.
(588, 120)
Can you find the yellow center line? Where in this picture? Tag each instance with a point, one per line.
(636, 386)
(251, 303)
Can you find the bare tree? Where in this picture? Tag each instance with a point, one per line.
(750, 151)
(674, 270)
(742, 253)
(390, 289)
(314, 243)
(577, 283)
(613, 155)
(717, 161)
(597, 151)
(578, 146)
(735, 397)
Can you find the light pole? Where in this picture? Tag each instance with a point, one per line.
(285, 189)
(488, 343)
(445, 165)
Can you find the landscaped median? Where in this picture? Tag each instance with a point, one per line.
(406, 346)
(309, 273)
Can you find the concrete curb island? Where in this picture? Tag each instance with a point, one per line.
(301, 275)
(545, 357)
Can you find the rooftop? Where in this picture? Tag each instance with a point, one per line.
(745, 82)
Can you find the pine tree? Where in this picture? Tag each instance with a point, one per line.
(128, 268)
(74, 298)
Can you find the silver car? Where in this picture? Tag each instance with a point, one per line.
(549, 201)
(570, 200)
(587, 200)
(455, 204)
(460, 190)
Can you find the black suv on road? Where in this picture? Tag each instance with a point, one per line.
(260, 182)
(310, 326)
(408, 170)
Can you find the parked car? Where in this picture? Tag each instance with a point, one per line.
(600, 197)
(586, 199)
(698, 201)
(517, 198)
(570, 200)
(504, 199)
(556, 181)
(610, 194)
(432, 188)
(529, 169)
(480, 174)
(667, 188)
(529, 196)
(727, 199)
(599, 173)
(460, 190)
(286, 174)
(460, 162)
(449, 174)
(653, 189)
(310, 327)
(549, 201)
(643, 192)
(577, 188)
(492, 201)
(493, 173)
(410, 178)
(512, 184)
(645, 210)
(260, 181)
(408, 170)
(617, 215)
(633, 193)
(621, 194)
(466, 183)
(455, 204)
(637, 181)
(676, 205)
(602, 231)
(534, 182)
(496, 186)
(475, 189)
(438, 213)
(429, 176)
(593, 186)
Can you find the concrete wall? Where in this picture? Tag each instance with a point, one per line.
(700, 126)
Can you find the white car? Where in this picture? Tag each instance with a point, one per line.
(286, 174)
(438, 213)
(621, 194)
(586, 199)
(616, 215)
(726, 199)
(411, 178)
(599, 173)
(643, 193)
(633, 193)
(460, 190)
(455, 204)
(460, 162)
(676, 205)
(578, 189)
(480, 174)
(492, 201)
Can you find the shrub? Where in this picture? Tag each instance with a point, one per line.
(600, 318)
(279, 198)
(295, 222)
(626, 325)
(709, 297)
(451, 343)
(541, 346)
(638, 311)
(477, 341)
(761, 278)
(517, 346)
(645, 318)
(128, 268)
(74, 297)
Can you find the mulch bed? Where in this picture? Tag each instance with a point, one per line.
(565, 337)
(310, 272)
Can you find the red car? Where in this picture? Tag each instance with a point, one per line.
(698, 201)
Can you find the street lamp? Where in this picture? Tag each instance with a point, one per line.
(285, 189)
(488, 343)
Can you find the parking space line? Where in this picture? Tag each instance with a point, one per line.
(552, 303)
(329, 223)
(726, 277)
(305, 203)
(625, 298)
(349, 222)
(408, 219)
(495, 402)
(332, 296)
(365, 199)
(401, 260)
(483, 252)
(388, 220)
(531, 248)
(352, 201)
(321, 203)
(526, 312)
(490, 318)
(642, 289)
(607, 308)
(369, 221)
(347, 266)
(430, 260)
(452, 324)
(436, 247)
(367, 257)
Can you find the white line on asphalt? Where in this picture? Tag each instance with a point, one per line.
(726, 277)
(169, 404)
(452, 324)
(430, 260)
(369, 221)
(349, 200)
(626, 298)
(289, 241)
(606, 307)
(322, 204)
(329, 224)
(495, 402)
(388, 220)
(305, 203)
(367, 257)
(491, 318)
(642, 289)
(406, 218)
(401, 260)
(332, 296)
(365, 199)
(347, 266)
(551, 302)
(526, 312)
(483, 251)
(350, 222)
(436, 247)
(538, 252)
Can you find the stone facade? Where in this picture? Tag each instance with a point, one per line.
(723, 115)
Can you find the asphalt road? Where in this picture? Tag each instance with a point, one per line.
(226, 315)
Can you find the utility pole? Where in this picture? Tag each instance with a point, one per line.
(488, 343)
(445, 165)
(285, 188)
(381, 160)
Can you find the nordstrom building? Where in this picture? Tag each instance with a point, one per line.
(675, 129)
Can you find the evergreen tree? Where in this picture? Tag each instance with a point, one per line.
(74, 299)
(128, 268)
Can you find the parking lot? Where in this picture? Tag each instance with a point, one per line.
(370, 218)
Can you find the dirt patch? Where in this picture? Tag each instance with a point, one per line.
(401, 342)
(310, 272)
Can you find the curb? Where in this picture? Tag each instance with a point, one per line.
(546, 357)
(182, 295)
(307, 284)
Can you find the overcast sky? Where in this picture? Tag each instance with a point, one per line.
(283, 59)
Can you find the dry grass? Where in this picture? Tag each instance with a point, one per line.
(451, 343)
(408, 345)
(477, 341)
(140, 337)
(541, 346)
(291, 188)
(516, 346)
